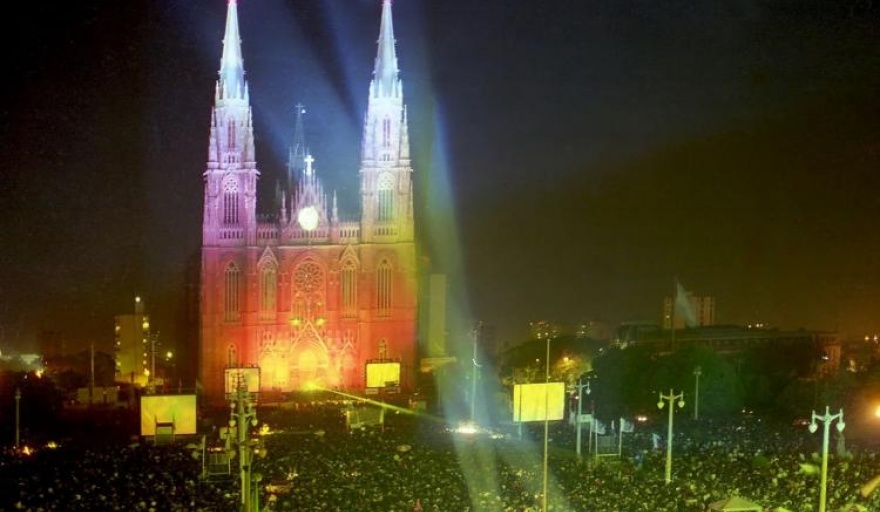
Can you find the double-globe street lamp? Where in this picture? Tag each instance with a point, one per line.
(826, 420)
(243, 416)
(671, 398)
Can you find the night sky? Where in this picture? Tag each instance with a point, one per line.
(571, 157)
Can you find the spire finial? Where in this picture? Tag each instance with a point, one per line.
(297, 154)
(386, 72)
(231, 64)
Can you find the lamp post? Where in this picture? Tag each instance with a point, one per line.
(17, 404)
(671, 398)
(826, 420)
(546, 421)
(697, 372)
(476, 336)
(243, 414)
(580, 387)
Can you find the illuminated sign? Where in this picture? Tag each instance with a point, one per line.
(381, 375)
(539, 402)
(249, 375)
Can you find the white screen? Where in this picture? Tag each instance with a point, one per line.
(177, 409)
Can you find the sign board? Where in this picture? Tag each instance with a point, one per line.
(383, 375)
(586, 419)
(539, 402)
(249, 375)
(179, 410)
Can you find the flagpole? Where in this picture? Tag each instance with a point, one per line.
(672, 314)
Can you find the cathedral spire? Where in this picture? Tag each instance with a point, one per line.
(232, 84)
(297, 154)
(385, 74)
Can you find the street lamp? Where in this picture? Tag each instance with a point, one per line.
(476, 336)
(243, 414)
(546, 421)
(671, 397)
(697, 372)
(826, 420)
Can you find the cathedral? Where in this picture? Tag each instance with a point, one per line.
(306, 296)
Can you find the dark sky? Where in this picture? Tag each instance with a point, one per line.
(572, 157)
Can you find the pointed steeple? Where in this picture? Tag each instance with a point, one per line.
(232, 84)
(297, 154)
(385, 157)
(385, 74)
(231, 175)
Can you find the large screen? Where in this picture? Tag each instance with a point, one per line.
(539, 402)
(177, 409)
(250, 375)
(380, 375)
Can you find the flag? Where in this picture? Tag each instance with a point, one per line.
(599, 428)
(627, 427)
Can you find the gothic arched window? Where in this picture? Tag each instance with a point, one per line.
(232, 355)
(231, 293)
(383, 288)
(230, 202)
(230, 135)
(386, 133)
(385, 198)
(348, 285)
(268, 291)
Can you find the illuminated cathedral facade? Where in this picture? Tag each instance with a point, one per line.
(307, 297)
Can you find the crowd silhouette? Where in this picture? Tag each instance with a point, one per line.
(315, 463)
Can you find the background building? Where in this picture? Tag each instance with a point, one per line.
(133, 345)
(689, 311)
(306, 295)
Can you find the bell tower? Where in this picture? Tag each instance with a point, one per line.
(386, 171)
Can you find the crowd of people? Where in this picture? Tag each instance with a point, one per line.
(314, 462)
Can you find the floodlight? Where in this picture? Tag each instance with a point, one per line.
(660, 404)
(840, 426)
(813, 428)
(681, 403)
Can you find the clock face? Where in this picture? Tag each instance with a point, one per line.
(307, 218)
